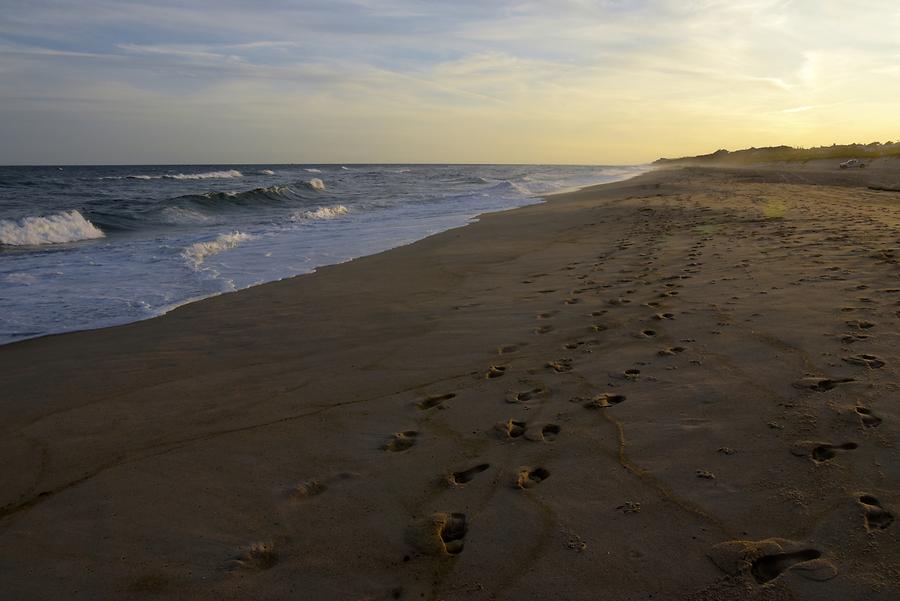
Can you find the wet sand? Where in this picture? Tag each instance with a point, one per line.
(683, 386)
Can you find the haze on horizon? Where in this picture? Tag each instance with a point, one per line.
(553, 81)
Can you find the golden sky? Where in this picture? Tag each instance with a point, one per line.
(555, 81)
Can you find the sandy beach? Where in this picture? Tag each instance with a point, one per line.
(681, 386)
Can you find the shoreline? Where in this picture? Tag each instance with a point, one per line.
(115, 322)
(554, 400)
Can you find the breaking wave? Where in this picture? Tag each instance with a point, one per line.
(506, 186)
(196, 253)
(208, 175)
(269, 194)
(316, 184)
(321, 213)
(267, 172)
(230, 173)
(69, 226)
(313, 170)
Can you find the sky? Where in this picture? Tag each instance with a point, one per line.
(463, 81)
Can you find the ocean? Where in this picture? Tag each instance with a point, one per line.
(88, 247)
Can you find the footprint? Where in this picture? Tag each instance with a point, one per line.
(598, 327)
(510, 428)
(770, 567)
(821, 384)
(826, 452)
(258, 556)
(860, 324)
(578, 344)
(451, 531)
(546, 433)
(869, 361)
(850, 339)
(671, 351)
(439, 533)
(561, 366)
(766, 560)
(543, 329)
(877, 517)
(601, 401)
(573, 301)
(435, 401)
(550, 431)
(647, 333)
(547, 314)
(401, 441)
(495, 371)
(529, 477)
(309, 488)
(868, 419)
(662, 316)
(523, 396)
(632, 374)
(465, 476)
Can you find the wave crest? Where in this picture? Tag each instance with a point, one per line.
(68, 226)
(208, 175)
(196, 253)
(183, 216)
(316, 184)
(506, 186)
(248, 197)
(230, 173)
(321, 213)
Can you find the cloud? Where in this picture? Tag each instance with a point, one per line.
(526, 80)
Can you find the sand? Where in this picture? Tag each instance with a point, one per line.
(683, 386)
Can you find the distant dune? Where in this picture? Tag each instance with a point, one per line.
(874, 154)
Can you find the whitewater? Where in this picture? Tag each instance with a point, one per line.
(87, 247)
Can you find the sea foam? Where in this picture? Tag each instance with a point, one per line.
(20, 279)
(196, 253)
(227, 174)
(207, 175)
(68, 226)
(316, 184)
(321, 213)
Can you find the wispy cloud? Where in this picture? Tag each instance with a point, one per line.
(517, 80)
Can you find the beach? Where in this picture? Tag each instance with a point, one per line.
(679, 386)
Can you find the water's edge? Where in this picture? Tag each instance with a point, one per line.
(162, 311)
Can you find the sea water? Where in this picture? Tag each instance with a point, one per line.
(87, 247)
